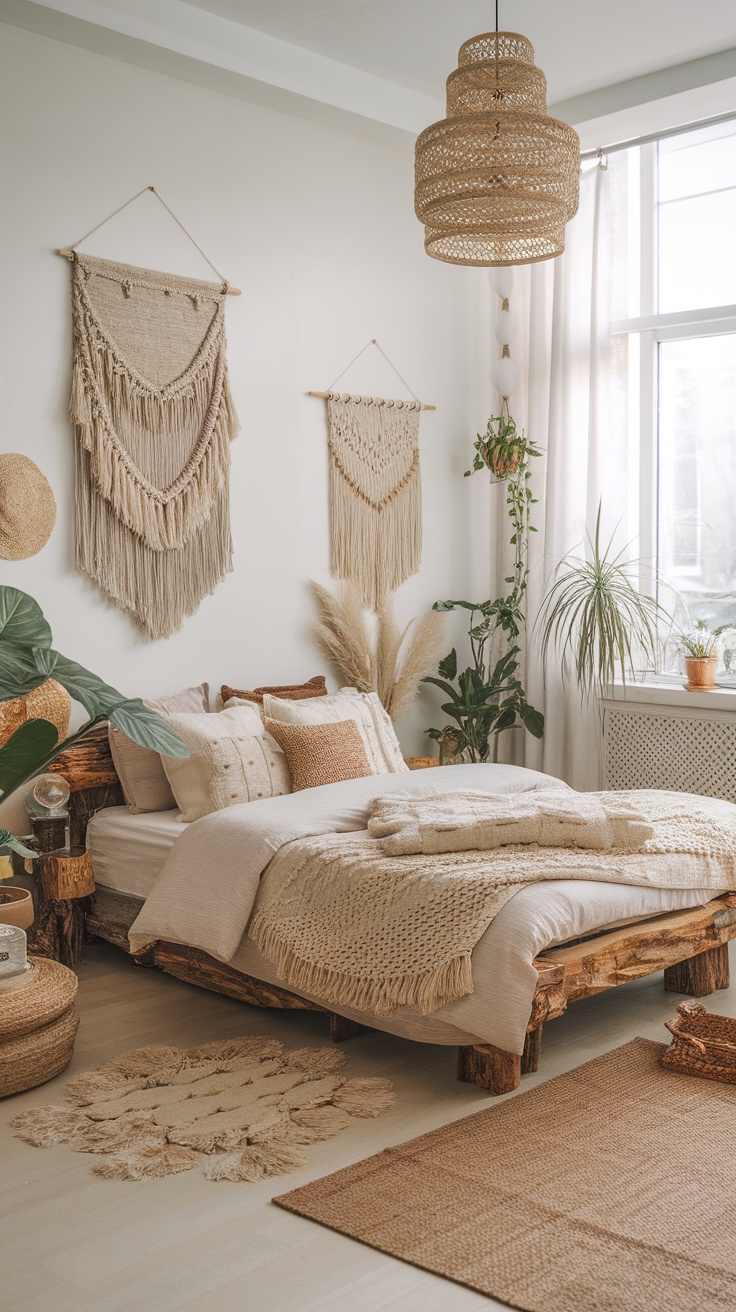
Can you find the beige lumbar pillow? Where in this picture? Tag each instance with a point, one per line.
(320, 754)
(379, 739)
(141, 774)
(228, 762)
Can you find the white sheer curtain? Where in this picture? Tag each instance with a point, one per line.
(572, 401)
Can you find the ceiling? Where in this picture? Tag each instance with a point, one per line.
(582, 45)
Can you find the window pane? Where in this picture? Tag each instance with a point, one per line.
(696, 161)
(697, 473)
(697, 219)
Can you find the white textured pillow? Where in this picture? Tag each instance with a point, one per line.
(376, 730)
(231, 759)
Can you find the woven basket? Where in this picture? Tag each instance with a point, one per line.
(38, 1024)
(39, 1056)
(421, 762)
(702, 1044)
(46, 997)
(49, 702)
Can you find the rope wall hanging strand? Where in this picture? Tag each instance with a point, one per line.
(69, 252)
(326, 395)
(375, 487)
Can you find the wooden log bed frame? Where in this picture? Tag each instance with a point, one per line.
(690, 946)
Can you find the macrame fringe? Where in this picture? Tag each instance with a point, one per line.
(158, 589)
(152, 524)
(375, 493)
(381, 995)
(376, 549)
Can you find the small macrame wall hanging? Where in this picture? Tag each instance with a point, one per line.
(153, 419)
(375, 488)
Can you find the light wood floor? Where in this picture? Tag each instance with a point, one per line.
(70, 1242)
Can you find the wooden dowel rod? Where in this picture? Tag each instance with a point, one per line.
(68, 254)
(326, 396)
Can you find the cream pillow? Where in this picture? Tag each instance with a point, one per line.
(231, 759)
(141, 774)
(376, 730)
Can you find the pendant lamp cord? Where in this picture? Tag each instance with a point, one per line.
(496, 15)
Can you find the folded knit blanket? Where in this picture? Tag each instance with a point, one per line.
(461, 822)
(349, 924)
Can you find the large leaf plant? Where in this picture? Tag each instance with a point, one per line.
(27, 659)
(488, 697)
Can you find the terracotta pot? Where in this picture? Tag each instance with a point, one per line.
(701, 673)
(16, 907)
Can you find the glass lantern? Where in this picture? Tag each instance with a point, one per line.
(46, 802)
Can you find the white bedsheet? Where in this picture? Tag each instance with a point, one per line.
(129, 851)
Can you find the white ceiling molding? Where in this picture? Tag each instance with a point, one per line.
(193, 44)
(181, 41)
(652, 116)
(637, 91)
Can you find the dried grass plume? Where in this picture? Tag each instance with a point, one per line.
(377, 657)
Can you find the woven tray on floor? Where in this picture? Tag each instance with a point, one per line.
(702, 1044)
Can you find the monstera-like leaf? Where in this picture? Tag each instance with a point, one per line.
(25, 753)
(22, 620)
(27, 659)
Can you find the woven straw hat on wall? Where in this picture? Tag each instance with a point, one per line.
(27, 507)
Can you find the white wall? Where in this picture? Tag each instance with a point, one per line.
(317, 228)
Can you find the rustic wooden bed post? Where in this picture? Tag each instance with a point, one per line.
(700, 975)
(691, 947)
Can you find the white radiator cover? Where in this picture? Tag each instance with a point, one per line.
(652, 744)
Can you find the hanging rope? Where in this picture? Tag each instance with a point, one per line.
(68, 251)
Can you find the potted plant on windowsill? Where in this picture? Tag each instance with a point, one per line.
(700, 648)
(597, 620)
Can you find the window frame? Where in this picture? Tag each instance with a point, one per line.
(646, 332)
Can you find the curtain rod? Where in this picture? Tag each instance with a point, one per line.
(658, 136)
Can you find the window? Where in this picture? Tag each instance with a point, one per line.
(682, 366)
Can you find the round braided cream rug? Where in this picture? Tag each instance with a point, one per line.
(244, 1106)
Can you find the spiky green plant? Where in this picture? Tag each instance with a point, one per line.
(597, 620)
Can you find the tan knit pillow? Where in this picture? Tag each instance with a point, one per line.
(319, 754)
(293, 692)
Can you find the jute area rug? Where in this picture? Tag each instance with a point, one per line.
(609, 1189)
(243, 1107)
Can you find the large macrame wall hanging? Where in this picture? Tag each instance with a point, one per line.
(154, 419)
(375, 490)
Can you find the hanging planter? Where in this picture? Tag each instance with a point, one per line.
(502, 448)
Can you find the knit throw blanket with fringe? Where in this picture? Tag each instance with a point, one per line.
(153, 419)
(375, 492)
(354, 926)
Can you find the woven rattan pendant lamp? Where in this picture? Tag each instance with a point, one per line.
(497, 180)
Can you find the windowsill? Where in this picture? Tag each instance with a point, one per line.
(672, 694)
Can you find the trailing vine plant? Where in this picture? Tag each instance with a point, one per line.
(487, 697)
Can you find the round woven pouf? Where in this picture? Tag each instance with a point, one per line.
(38, 1024)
